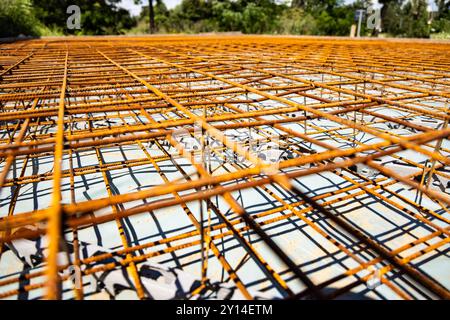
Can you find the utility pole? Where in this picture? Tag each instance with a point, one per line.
(152, 16)
(359, 25)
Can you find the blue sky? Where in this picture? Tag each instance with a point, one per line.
(136, 9)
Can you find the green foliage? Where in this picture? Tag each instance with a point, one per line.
(256, 19)
(296, 21)
(49, 17)
(17, 17)
(228, 19)
(187, 17)
(443, 9)
(415, 22)
(404, 18)
(441, 25)
(97, 16)
(320, 17)
(335, 21)
(391, 17)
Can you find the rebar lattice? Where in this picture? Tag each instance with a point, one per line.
(90, 154)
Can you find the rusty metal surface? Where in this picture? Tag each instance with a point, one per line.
(89, 154)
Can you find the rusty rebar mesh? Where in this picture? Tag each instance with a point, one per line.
(358, 189)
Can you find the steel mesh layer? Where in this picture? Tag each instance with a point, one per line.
(276, 167)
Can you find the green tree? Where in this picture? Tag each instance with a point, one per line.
(193, 16)
(255, 19)
(415, 19)
(18, 17)
(391, 16)
(317, 6)
(157, 15)
(97, 16)
(331, 17)
(299, 4)
(158, 20)
(296, 21)
(443, 8)
(441, 23)
(228, 15)
(259, 16)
